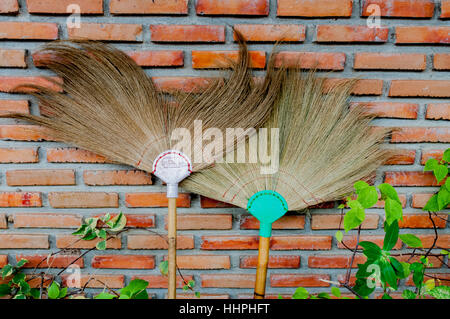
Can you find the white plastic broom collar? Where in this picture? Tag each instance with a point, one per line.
(172, 167)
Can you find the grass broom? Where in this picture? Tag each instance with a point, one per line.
(111, 107)
(324, 147)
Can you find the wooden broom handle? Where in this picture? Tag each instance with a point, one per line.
(261, 269)
(172, 252)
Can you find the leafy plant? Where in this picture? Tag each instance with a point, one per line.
(136, 289)
(441, 199)
(17, 285)
(55, 292)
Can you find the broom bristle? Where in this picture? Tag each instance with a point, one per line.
(324, 148)
(111, 107)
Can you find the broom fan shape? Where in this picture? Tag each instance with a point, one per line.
(111, 107)
(324, 147)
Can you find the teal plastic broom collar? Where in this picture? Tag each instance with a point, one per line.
(267, 206)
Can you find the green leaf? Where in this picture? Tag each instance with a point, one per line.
(362, 289)
(323, 295)
(191, 283)
(53, 290)
(24, 287)
(164, 267)
(408, 294)
(185, 287)
(401, 268)
(355, 216)
(35, 293)
(387, 191)
(393, 209)
(386, 296)
(135, 289)
(418, 270)
(7, 271)
(101, 245)
(18, 278)
(444, 252)
(371, 250)
(80, 231)
(440, 292)
(367, 195)
(447, 184)
(106, 218)
(440, 172)
(20, 296)
(336, 292)
(443, 198)
(62, 293)
(21, 263)
(197, 294)
(432, 204)
(339, 236)
(101, 233)
(105, 295)
(300, 293)
(90, 235)
(388, 274)
(391, 237)
(4, 290)
(431, 164)
(119, 222)
(446, 156)
(411, 240)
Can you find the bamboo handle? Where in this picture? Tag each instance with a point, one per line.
(261, 270)
(172, 253)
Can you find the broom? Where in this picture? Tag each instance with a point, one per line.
(111, 107)
(324, 148)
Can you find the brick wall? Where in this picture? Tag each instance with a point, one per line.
(46, 187)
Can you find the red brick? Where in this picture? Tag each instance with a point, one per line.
(402, 157)
(73, 155)
(46, 220)
(56, 261)
(107, 32)
(445, 279)
(155, 200)
(309, 60)
(420, 88)
(124, 177)
(32, 177)
(410, 179)
(203, 296)
(123, 261)
(158, 242)
(74, 242)
(3, 221)
(163, 58)
(202, 261)
(400, 8)
(22, 155)
(333, 221)
(187, 33)
(271, 32)
(420, 200)
(445, 9)
(302, 242)
(203, 221)
(299, 280)
(427, 154)
(350, 33)
(11, 84)
(25, 133)
(317, 8)
(185, 84)
(442, 242)
(350, 241)
(421, 135)
(220, 59)
(95, 281)
(233, 7)
(206, 202)
(362, 86)
(390, 61)
(334, 261)
(178, 7)
(236, 242)
(3, 260)
(14, 106)
(436, 263)
(275, 261)
(61, 6)
(441, 61)
(285, 222)
(83, 199)
(422, 34)
(20, 199)
(12, 58)
(36, 241)
(438, 111)
(9, 7)
(390, 109)
(15, 30)
(160, 281)
(137, 220)
(228, 280)
(422, 221)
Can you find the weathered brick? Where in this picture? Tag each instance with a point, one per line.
(74, 242)
(178, 7)
(410, 179)
(443, 240)
(334, 261)
(422, 34)
(421, 135)
(31, 177)
(285, 222)
(275, 261)
(14, 106)
(56, 261)
(350, 241)
(334, 221)
(46, 220)
(438, 111)
(229, 242)
(23, 155)
(203, 296)
(389, 61)
(12, 58)
(317, 8)
(9, 7)
(107, 32)
(73, 155)
(233, 7)
(220, 59)
(36, 241)
(12, 84)
(445, 9)
(227, 280)
(441, 61)
(14, 30)
(203, 221)
(422, 221)
(124, 177)
(155, 200)
(402, 157)
(303, 242)
(309, 60)
(299, 280)
(62, 6)
(362, 86)
(187, 33)
(123, 261)
(158, 242)
(271, 32)
(164, 58)
(390, 109)
(350, 33)
(3, 221)
(20, 199)
(3, 260)
(160, 281)
(25, 133)
(83, 199)
(399, 8)
(185, 84)
(420, 88)
(94, 281)
(203, 262)
(206, 202)
(420, 200)
(428, 153)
